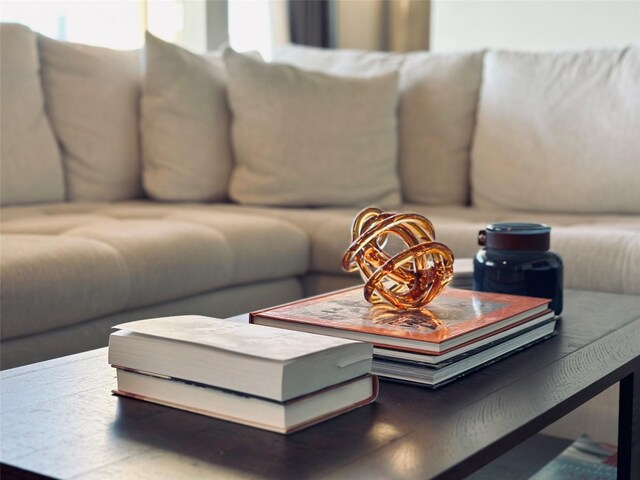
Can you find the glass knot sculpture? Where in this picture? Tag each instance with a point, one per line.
(409, 279)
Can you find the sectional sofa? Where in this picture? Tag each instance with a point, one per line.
(160, 182)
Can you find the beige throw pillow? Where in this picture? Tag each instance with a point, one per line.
(30, 161)
(185, 124)
(308, 139)
(92, 97)
(559, 132)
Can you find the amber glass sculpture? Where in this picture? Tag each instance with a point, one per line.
(409, 279)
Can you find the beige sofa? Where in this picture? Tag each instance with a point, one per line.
(117, 168)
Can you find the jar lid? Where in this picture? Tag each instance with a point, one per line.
(516, 236)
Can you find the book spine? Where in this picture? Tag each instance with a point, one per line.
(372, 398)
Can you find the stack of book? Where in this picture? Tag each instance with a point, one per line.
(459, 332)
(264, 377)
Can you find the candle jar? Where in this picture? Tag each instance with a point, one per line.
(515, 259)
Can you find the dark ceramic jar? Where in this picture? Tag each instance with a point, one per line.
(516, 259)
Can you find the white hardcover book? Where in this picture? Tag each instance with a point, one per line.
(281, 417)
(262, 361)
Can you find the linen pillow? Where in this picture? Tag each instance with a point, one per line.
(92, 96)
(439, 98)
(185, 124)
(308, 139)
(437, 108)
(29, 157)
(559, 132)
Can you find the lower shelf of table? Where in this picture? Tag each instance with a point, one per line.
(524, 460)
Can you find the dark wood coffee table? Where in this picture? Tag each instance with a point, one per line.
(60, 420)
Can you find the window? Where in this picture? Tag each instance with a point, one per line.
(253, 25)
(258, 25)
(115, 24)
(109, 24)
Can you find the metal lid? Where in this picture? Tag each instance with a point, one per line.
(516, 236)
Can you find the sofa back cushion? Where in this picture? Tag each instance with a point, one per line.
(30, 162)
(92, 97)
(346, 62)
(437, 105)
(185, 124)
(438, 102)
(308, 139)
(559, 132)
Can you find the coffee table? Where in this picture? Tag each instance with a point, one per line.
(60, 420)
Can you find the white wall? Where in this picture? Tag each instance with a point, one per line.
(533, 24)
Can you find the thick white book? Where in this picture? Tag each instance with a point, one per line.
(281, 417)
(262, 361)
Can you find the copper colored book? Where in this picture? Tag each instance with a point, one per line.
(457, 318)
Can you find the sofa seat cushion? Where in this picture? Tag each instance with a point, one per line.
(94, 333)
(600, 252)
(123, 256)
(53, 281)
(165, 259)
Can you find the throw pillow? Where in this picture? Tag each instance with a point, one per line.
(309, 139)
(29, 157)
(185, 124)
(92, 96)
(559, 132)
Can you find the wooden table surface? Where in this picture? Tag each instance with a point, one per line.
(59, 419)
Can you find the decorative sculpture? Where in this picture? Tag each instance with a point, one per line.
(409, 279)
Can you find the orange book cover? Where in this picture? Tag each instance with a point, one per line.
(453, 319)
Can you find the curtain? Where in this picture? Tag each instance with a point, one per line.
(407, 25)
(279, 20)
(310, 22)
(392, 25)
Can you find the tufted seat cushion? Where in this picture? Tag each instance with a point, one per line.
(62, 265)
(52, 281)
(600, 252)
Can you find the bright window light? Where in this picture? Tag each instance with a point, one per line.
(165, 19)
(250, 26)
(114, 24)
(183, 22)
(254, 25)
